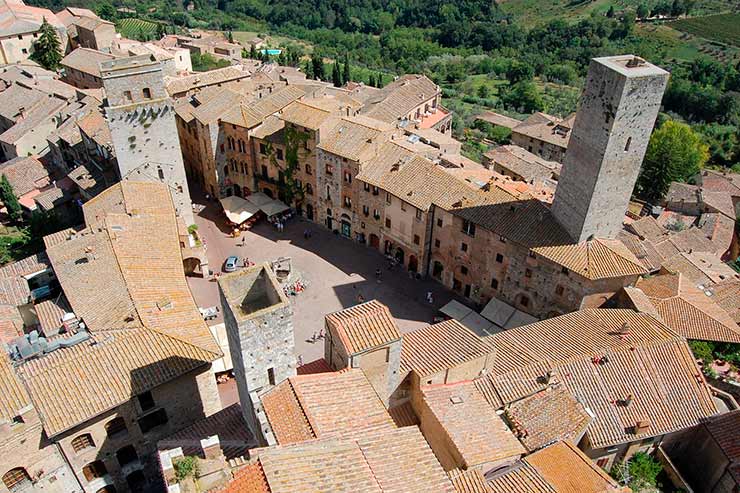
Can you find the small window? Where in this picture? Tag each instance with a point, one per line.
(126, 455)
(263, 149)
(494, 283)
(347, 177)
(403, 205)
(129, 98)
(94, 470)
(499, 258)
(146, 401)
(153, 420)
(439, 222)
(365, 210)
(115, 427)
(376, 214)
(387, 222)
(25, 51)
(564, 270)
(387, 198)
(627, 145)
(329, 169)
(602, 463)
(263, 169)
(347, 202)
(464, 247)
(531, 254)
(376, 190)
(468, 228)
(309, 189)
(559, 290)
(464, 270)
(82, 442)
(366, 187)
(502, 239)
(527, 273)
(160, 173)
(524, 301)
(418, 214)
(147, 93)
(279, 154)
(436, 243)
(309, 171)
(271, 375)
(417, 240)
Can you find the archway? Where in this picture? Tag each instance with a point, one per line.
(237, 190)
(268, 192)
(191, 265)
(309, 211)
(374, 241)
(346, 226)
(399, 255)
(413, 263)
(437, 269)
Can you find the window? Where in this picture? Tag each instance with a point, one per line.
(387, 198)
(418, 214)
(264, 172)
(376, 214)
(147, 93)
(502, 239)
(468, 228)
(347, 202)
(627, 145)
(152, 420)
(126, 455)
(271, 376)
(24, 51)
(602, 463)
(403, 205)
(94, 470)
(494, 283)
(226, 171)
(329, 169)
(328, 192)
(366, 210)
(17, 479)
(531, 254)
(160, 173)
(127, 95)
(82, 442)
(439, 222)
(309, 171)
(527, 273)
(366, 187)
(242, 146)
(559, 290)
(281, 177)
(437, 269)
(524, 301)
(146, 401)
(387, 222)
(309, 189)
(263, 149)
(564, 270)
(464, 247)
(115, 427)
(417, 240)
(376, 190)
(136, 481)
(436, 243)
(279, 154)
(464, 270)
(499, 258)
(347, 177)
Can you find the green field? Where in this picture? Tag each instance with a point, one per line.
(134, 28)
(723, 28)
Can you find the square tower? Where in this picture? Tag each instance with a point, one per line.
(141, 118)
(618, 108)
(259, 327)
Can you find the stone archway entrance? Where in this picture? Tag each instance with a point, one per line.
(400, 255)
(374, 241)
(413, 264)
(191, 265)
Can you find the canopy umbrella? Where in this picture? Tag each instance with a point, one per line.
(237, 209)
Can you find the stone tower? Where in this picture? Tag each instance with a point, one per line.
(141, 118)
(617, 112)
(259, 327)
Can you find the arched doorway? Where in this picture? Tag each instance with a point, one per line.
(237, 190)
(191, 265)
(268, 192)
(346, 226)
(400, 255)
(437, 269)
(413, 264)
(246, 191)
(329, 219)
(309, 211)
(374, 241)
(94, 470)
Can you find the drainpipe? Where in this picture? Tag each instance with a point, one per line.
(69, 465)
(430, 217)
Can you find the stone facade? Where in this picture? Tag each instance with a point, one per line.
(142, 123)
(259, 327)
(619, 105)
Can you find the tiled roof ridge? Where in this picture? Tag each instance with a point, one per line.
(302, 402)
(317, 108)
(619, 254)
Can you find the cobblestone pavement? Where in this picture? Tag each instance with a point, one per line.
(338, 271)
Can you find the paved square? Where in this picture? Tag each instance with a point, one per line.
(338, 271)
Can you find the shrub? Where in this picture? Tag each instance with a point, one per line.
(185, 467)
(640, 473)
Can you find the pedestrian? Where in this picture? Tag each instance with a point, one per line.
(305, 234)
(430, 300)
(300, 360)
(378, 273)
(360, 298)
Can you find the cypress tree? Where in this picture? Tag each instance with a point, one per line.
(253, 52)
(336, 75)
(9, 199)
(47, 50)
(346, 76)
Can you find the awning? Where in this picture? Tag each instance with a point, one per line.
(237, 209)
(259, 199)
(505, 316)
(455, 309)
(469, 318)
(274, 207)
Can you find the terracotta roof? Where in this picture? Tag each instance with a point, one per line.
(13, 396)
(702, 268)
(404, 415)
(46, 111)
(647, 228)
(228, 424)
(523, 163)
(144, 323)
(86, 60)
(594, 259)
(719, 229)
(19, 18)
(213, 108)
(315, 406)
(687, 310)
(90, 180)
(727, 296)
(626, 367)
(399, 98)
(470, 481)
(181, 84)
(18, 97)
(305, 115)
(393, 461)
(253, 114)
(721, 181)
(439, 347)
(316, 366)
(522, 478)
(50, 313)
(364, 326)
(474, 429)
(351, 139)
(547, 128)
(249, 479)
(725, 429)
(95, 126)
(14, 289)
(548, 416)
(643, 250)
(498, 119)
(25, 174)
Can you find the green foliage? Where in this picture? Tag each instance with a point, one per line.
(290, 188)
(206, 61)
(641, 472)
(192, 228)
(346, 74)
(724, 28)
(642, 11)
(703, 350)
(523, 97)
(336, 75)
(185, 467)
(675, 153)
(317, 67)
(10, 200)
(47, 50)
(137, 28)
(107, 11)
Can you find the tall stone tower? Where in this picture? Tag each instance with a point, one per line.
(141, 118)
(259, 327)
(607, 144)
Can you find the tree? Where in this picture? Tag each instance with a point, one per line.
(519, 71)
(483, 91)
(47, 49)
(610, 12)
(161, 31)
(106, 11)
(253, 52)
(317, 63)
(642, 11)
(336, 75)
(524, 97)
(379, 80)
(9, 199)
(677, 8)
(346, 75)
(230, 37)
(675, 153)
(641, 471)
(371, 80)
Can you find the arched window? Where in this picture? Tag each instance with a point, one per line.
(94, 470)
(107, 489)
(308, 169)
(126, 455)
(82, 442)
(309, 189)
(226, 171)
(115, 427)
(17, 479)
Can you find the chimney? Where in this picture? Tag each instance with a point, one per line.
(211, 448)
(625, 330)
(642, 426)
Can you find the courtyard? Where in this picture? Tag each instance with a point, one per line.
(340, 273)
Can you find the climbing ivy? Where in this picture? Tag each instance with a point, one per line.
(289, 187)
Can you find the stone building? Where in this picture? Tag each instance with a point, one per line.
(545, 135)
(259, 326)
(82, 67)
(141, 118)
(126, 363)
(20, 30)
(612, 128)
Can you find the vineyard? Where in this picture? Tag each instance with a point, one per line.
(724, 28)
(136, 29)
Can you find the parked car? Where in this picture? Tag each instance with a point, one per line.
(231, 263)
(209, 313)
